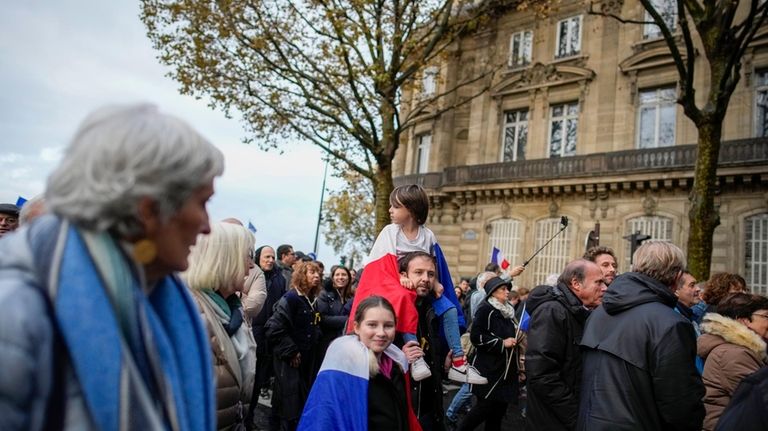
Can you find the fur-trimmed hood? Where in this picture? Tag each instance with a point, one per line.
(717, 329)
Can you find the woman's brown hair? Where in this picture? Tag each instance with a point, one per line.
(300, 279)
(719, 286)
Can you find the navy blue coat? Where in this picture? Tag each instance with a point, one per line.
(639, 362)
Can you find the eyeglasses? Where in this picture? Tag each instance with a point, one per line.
(764, 316)
(8, 219)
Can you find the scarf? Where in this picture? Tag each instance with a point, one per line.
(506, 309)
(239, 348)
(141, 359)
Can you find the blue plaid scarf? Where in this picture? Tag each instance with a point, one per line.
(142, 359)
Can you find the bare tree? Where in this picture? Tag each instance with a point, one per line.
(723, 31)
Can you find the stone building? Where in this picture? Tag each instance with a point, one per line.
(581, 121)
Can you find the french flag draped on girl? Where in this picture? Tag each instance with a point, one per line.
(339, 397)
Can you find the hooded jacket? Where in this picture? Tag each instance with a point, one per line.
(731, 352)
(638, 360)
(553, 358)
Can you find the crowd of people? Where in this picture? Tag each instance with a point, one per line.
(122, 306)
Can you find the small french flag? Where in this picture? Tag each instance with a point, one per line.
(498, 258)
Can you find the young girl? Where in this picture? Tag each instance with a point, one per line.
(361, 384)
(409, 207)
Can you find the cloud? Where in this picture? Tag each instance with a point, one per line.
(61, 60)
(51, 154)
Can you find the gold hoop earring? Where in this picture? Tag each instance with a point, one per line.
(144, 251)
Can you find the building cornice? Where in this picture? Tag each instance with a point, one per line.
(743, 162)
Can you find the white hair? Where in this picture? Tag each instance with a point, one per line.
(121, 154)
(32, 209)
(483, 278)
(220, 258)
(551, 279)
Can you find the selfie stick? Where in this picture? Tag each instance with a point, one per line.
(564, 222)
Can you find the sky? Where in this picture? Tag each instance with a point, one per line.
(61, 59)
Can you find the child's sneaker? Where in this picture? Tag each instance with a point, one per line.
(420, 370)
(466, 373)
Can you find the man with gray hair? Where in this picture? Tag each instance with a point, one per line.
(553, 358)
(638, 353)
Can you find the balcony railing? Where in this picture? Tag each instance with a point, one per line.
(732, 153)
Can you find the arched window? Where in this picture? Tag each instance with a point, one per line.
(553, 258)
(658, 227)
(756, 253)
(506, 235)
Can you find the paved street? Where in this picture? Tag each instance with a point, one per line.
(513, 420)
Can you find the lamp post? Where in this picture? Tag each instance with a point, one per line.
(320, 209)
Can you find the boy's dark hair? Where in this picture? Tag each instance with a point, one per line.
(741, 305)
(593, 252)
(492, 267)
(404, 261)
(413, 198)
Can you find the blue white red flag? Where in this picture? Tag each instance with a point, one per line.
(498, 258)
(251, 227)
(339, 397)
(381, 277)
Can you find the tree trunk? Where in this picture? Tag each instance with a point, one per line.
(703, 216)
(382, 187)
(390, 140)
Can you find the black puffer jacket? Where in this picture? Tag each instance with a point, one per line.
(333, 315)
(639, 362)
(292, 329)
(494, 361)
(276, 288)
(553, 358)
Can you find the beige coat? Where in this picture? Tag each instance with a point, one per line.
(731, 351)
(232, 393)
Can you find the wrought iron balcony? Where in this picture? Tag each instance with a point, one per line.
(743, 152)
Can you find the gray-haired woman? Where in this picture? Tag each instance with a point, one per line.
(96, 330)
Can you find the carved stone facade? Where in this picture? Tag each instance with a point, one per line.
(584, 147)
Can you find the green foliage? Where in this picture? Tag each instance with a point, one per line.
(348, 218)
(328, 72)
